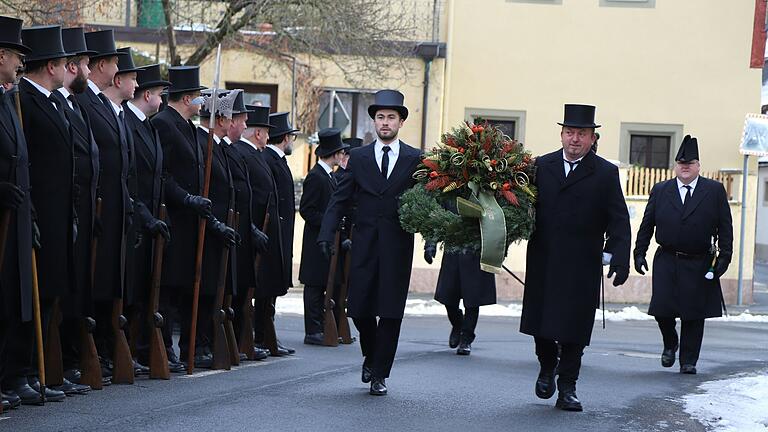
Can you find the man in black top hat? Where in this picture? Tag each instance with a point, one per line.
(692, 220)
(183, 163)
(16, 275)
(48, 136)
(250, 146)
(576, 188)
(376, 176)
(316, 193)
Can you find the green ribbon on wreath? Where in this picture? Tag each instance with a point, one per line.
(493, 228)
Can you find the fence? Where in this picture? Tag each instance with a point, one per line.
(640, 180)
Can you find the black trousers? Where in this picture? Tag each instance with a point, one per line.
(264, 308)
(563, 356)
(691, 334)
(314, 297)
(378, 342)
(17, 351)
(175, 313)
(204, 330)
(466, 321)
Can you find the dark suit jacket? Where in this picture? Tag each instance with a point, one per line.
(242, 188)
(679, 286)
(51, 163)
(564, 259)
(316, 193)
(382, 250)
(286, 206)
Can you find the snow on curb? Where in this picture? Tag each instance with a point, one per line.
(733, 404)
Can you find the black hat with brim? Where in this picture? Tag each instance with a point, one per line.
(329, 142)
(579, 116)
(258, 116)
(689, 150)
(10, 35)
(73, 39)
(103, 43)
(149, 77)
(184, 79)
(125, 62)
(45, 43)
(280, 125)
(353, 142)
(388, 99)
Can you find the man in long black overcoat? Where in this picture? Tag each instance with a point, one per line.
(692, 220)
(579, 202)
(376, 176)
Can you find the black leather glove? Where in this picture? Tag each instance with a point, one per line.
(35, 235)
(260, 240)
(11, 196)
(222, 231)
(327, 249)
(200, 205)
(430, 250)
(156, 226)
(621, 272)
(346, 245)
(640, 264)
(721, 266)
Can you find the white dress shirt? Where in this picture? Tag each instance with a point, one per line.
(42, 90)
(393, 153)
(249, 143)
(94, 88)
(118, 108)
(325, 166)
(567, 166)
(683, 190)
(277, 150)
(136, 111)
(64, 92)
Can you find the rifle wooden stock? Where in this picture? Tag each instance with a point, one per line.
(330, 332)
(122, 372)
(249, 311)
(344, 332)
(90, 368)
(53, 360)
(158, 358)
(221, 358)
(38, 326)
(234, 351)
(270, 335)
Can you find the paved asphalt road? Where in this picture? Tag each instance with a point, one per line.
(622, 386)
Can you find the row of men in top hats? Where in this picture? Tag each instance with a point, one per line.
(87, 171)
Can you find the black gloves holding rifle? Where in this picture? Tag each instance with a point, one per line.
(156, 226)
(223, 232)
(327, 249)
(260, 239)
(198, 204)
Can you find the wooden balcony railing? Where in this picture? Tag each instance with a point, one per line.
(640, 180)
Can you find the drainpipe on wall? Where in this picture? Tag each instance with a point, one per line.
(427, 51)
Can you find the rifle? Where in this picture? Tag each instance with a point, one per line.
(90, 368)
(249, 311)
(122, 372)
(158, 358)
(38, 326)
(344, 332)
(234, 352)
(201, 223)
(221, 358)
(53, 361)
(330, 332)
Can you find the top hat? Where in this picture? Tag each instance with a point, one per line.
(689, 150)
(388, 99)
(579, 116)
(330, 142)
(125, 62)
(103, 43)
(184, 79)
(74, 42)
(353, 142)
(280, 125)
(258, 116)
(44, 42)
(10, 35)
(149, 77)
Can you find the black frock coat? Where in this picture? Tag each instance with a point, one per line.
(49, 142)
(383, 252)
(564, 257)
(316, 193)
(184, 162)
(679, 286)
(273, 279)
(286, 207)
(16, 276)
(242, 188)
(460, 278)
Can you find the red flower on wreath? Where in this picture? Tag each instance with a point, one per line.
(510, 196)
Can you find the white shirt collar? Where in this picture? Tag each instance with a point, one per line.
(277, 150)
(64, 92)
(39, 88)
(576, 161)
(94, 88)
(136, 111)
(118, 108)
(325, 166)
(394, 147)
(691, 184)
(227, 140)
(249, 143)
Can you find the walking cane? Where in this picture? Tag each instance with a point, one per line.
(512, 274)
(38, 326)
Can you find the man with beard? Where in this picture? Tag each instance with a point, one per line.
(375, 177)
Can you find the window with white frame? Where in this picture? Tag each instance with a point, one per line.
(347, 110)
(649, 145)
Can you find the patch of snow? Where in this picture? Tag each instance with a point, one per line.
(734, 404)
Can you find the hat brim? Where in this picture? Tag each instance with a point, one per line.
(151, 84)
(136, 69)
(186, 90)
(580, 125)
(275, 134)
(18, 47)
(264, 125)
(403, 111)
(326, 153)
(45, 57)
(82, 53)
(108, 54)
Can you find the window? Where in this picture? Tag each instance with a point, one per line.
(629, 3)
(765, 194)
(649, 151)
(511, 122)
(347, 110)
(258, 94)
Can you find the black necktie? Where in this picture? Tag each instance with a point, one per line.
(385, 162)
(571, 166)
(59, 109)
(687, 194)
(75, 106)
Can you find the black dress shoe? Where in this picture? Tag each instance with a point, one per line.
(545, 384)
(70, 389)
(6, 406)
(367, 374)
(51, 395)
(567, 401)
(260, 354)
(139, 369)
(282, 347)
(171, 354)
(314, 339)
(465, 348)
(203, 361)
(378, 387)
(106, 380)
(688, 369)
(72, 375)
(12, 399)
(176, 367)
(454, 337)
(668, 357)
(25, 393)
